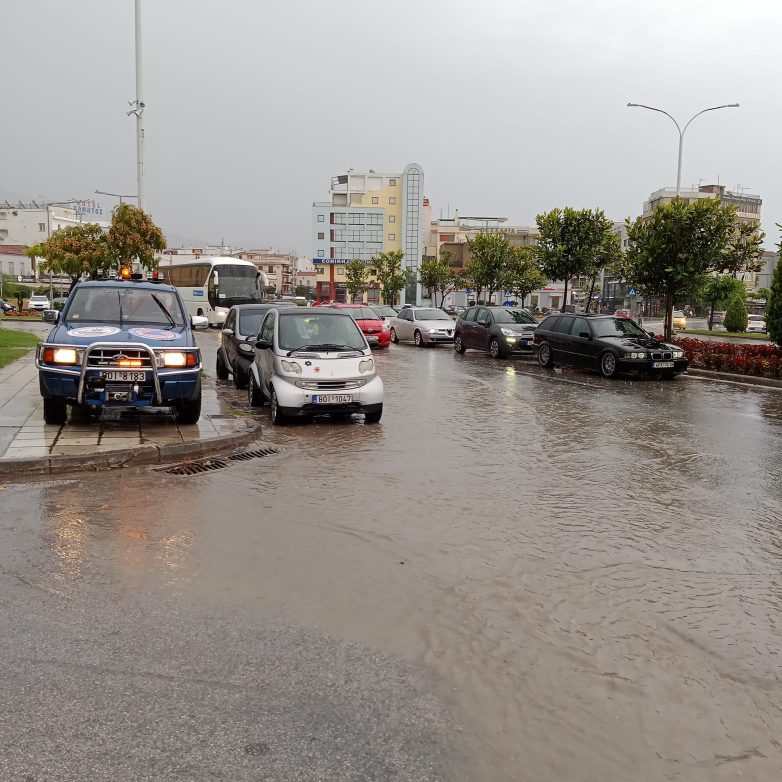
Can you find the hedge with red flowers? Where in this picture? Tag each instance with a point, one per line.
(758, 360)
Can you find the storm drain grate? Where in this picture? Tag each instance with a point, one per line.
(258, 453)
(207, 465)
(194, 468)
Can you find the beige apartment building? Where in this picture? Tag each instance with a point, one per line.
(747, 205)
(277, 266)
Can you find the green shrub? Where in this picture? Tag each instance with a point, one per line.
(736, 315)
(774, 306)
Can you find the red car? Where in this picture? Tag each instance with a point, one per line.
(377, 333)
(623, 314)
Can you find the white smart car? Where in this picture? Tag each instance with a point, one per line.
(312, 362)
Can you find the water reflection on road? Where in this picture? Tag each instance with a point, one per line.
(589, 569)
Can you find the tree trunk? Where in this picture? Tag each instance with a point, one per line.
(564, 301)
(669, 315)
(591, 293)
(711, 314)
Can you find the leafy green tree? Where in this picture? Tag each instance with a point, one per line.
(18, 292)
(672, 252)
(719, 289)
(736, 315)
(133, 236)
(76, 251)
(744, 252)
(437, 275)
(520, 274)
(760, 293)
(303, 290)
(489, 254)
(774, 304)
(387, 267)
(574, 242)
(355, 277)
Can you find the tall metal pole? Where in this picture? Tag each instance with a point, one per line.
(139, 111)
(681, 131)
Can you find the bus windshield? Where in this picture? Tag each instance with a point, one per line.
(237, 285)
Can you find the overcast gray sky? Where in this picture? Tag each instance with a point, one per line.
(511, 108)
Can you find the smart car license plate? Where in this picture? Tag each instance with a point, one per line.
(331, 399)
(663, 364)
(125, 377)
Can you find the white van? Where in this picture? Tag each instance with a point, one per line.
(314, 362)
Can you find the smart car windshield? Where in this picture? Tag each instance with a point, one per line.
(617, 327)
(307, 329)
(512, 316)
(125, 305)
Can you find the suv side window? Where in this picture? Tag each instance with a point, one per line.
(483, 317)
(579, 325)
(267, 330)
(563, 327)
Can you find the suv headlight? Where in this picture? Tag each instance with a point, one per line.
(173, 359)
(61, 356)
(291, 366)
(365, 366)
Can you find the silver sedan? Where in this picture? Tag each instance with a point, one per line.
(423, 326)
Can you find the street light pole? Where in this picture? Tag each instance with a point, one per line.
(137, 108)
(115, 195)
(681, 131)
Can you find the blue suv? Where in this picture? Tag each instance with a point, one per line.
(121, 343)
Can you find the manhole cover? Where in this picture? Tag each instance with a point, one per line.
(198, 466)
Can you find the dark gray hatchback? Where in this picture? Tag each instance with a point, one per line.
(606, 344)
(499, 330)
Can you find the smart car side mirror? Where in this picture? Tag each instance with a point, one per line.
(263, 344)
(199, 322)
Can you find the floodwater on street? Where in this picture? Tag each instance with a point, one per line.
(516, 575)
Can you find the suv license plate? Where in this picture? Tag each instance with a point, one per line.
(663, 364)
(125, 377)
(331, 399)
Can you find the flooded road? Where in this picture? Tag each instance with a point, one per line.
(517, 575)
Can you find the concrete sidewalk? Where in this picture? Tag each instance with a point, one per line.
(24, 435)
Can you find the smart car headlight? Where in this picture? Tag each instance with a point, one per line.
(365, 366)
(291, 366)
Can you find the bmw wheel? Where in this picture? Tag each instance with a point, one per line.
(608, 365)
(544, 355)
(458, 345)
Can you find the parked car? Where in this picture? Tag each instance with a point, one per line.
(422, 325)
(312, 362)
(39, 302)
(499, 330)
(386, 312)
(679, 320)
(121, 344)
(454, 310)
(756, 324)
(237, 340)
(606, 344)
(5, 307)
(719, 318)
(371, 324)
(623, 314)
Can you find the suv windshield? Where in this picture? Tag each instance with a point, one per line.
(125, 305)
(432, 314)
(617, 327)
(300, 330)
(505, 315)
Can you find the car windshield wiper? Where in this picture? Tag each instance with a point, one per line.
(325, 346)
(163, 307)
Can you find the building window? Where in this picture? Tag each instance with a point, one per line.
(391, 237)
(340, 271)
(321, 235)
(270, 269)
(41, 226)
(392, 182)
(321, 219)
(374, 219)
(392, 199)
(356, 218)
(10, 267)
(391, 218)
(321, 253)
(321, 269)
(375, 200)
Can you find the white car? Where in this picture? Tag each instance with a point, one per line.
(756, 324)
(39, 302)
(313, 362)
(423, 326)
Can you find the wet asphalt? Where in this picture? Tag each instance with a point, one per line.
(517, 575)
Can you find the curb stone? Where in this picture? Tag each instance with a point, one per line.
(56, 464)
(732, 377)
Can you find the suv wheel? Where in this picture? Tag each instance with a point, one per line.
(458, 345)
(544, 355)
(55, 410)
(188, 410)
(608, 364)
